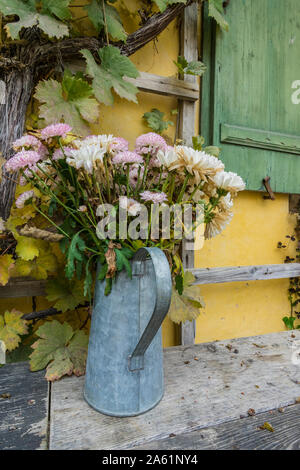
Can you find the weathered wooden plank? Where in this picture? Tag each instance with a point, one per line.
(23, 416)
(242, 434)
(205, 385)
(169, 86)
(189, 49)
(157, 84)
(245, 273)
(20, 287)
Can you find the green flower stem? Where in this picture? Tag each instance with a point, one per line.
(145, 171)
(51, 222)
(181, 194)
(107, 179)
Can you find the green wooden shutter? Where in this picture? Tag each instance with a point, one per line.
(247, 106)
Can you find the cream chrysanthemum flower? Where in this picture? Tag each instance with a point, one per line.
(168, 158)
(229, 181)
(89, 151)
(217, 224)
(226, 202)
(199, 164)
(130, 205)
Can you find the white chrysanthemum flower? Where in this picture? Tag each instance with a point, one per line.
(89, 151)
(86, 157)
(217, 224)
(130, 205)
(199, 164)
(229, 181)
(226, 202)
(167, 158)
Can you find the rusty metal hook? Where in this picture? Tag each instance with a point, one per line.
(266, 182)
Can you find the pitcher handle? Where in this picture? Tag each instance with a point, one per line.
(162, 303)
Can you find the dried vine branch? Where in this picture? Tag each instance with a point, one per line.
(47, 313)
(24, 63)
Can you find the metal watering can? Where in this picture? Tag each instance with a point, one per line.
(124, 374)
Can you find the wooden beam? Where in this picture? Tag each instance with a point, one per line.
(152, 83)
(188, 49)
(21, 287)
(169, 86)
(245, 273)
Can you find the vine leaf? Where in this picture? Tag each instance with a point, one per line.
(156, 122)
(110, 74)
(6, 264)
(11, 327)
(70, 100)
(67, 295)
(186, 306)
(195, 67)
(27, 248)
(38, 268)
(163, 4)
(215, 9)
(57, 8)
(29, 17)
(113, 20)
(61, 349)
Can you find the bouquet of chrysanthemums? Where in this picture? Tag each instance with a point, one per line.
(102, 201)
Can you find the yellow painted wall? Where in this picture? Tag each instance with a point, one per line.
(232, 310)
(247, 308)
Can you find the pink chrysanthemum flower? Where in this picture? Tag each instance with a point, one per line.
(55, 130)
(127, 157)
(26, 141)
(29, 142)
(134, 174)
(119, 145)
(20, 201)
(59, 154)
(23, 159)
(156, 198)
(150, 143)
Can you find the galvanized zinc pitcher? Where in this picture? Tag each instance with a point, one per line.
(124, 375)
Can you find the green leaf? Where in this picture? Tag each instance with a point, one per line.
(185, 307)
(58, 8)
(156, 122)
(110, 74)
(60, 349)
(215, 10)
(102, 272)
(289, 322)
(66, 295)
(29, 17)
(179, 283)
(75, 254)
(113, 20)
(11, 328)
(108, 286)
(198, 142)
(163, 4)
(195, 67)
(122, 261)
(69, 101)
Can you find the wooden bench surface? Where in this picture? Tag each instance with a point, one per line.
(209, 389)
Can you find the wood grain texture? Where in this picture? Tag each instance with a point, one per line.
(205, 385)
(20, 287)
(188, 49)
(249, 85)
(245, 273)
(169, 86)
(23, 416)
(241, 434)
